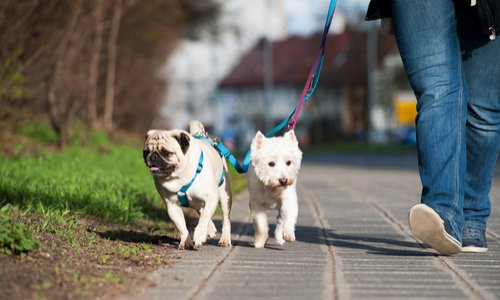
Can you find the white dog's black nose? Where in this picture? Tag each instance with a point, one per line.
(283, 181)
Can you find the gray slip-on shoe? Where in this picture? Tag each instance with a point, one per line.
(431, 229)
(474, 240)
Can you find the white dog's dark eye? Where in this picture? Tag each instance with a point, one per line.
(288, 162)
(271, 164)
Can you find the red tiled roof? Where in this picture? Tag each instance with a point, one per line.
(345, 60)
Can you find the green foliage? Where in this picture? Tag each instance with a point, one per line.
(99, 138)
(15, 237)
(39, 131)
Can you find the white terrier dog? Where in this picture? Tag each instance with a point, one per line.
(272, 180)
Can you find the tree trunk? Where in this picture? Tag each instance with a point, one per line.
(56, 102)
(111, 70)
(94, 64)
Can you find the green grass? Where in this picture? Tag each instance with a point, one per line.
(113, 184)
(15, 237)
(38, 131)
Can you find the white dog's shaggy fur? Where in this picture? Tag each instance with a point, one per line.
(272, 180)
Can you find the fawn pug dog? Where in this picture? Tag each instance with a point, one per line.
(272, 180)
(173, 158)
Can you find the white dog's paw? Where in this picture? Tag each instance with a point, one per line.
(225, 239)
(280, 241)
(199, 237)
(259, 245)
(212, 230)
(289, 236)
(186, 245)
(225, 242)
(260, 240)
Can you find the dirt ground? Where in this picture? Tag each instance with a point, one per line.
(85, 259)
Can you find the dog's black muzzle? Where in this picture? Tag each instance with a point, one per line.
(157, 164)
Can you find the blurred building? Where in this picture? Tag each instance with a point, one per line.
(195, 69)
(337, 108)
(249, 77)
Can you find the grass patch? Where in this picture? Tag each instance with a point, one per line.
(111, 184)
(38, 131)
(15, 237)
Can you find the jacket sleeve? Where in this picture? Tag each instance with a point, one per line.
(378, 9)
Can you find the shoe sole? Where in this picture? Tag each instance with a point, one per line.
(474, 249)
(428, 227)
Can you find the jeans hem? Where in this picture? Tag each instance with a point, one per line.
(457, 232)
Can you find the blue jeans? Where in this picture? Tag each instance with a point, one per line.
(454, 71)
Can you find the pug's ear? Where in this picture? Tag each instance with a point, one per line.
(150, 132)
(183, 139)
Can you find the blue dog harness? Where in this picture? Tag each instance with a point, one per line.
(182, 193)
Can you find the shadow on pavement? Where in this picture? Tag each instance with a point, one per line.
(383, 246)
(314, 235)
(131, 236)
(306, 234)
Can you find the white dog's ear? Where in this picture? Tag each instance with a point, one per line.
(290, 134)
(257, 140)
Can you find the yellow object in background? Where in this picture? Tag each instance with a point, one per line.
(405, 108)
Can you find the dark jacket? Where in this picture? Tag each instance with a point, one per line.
(379, 9)
(487, 11)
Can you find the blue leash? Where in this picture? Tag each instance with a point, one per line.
(310, 87)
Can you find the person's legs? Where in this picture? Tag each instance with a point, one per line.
(427, 39)
(482, 72)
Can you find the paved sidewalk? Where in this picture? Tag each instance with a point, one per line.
(353, 242)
